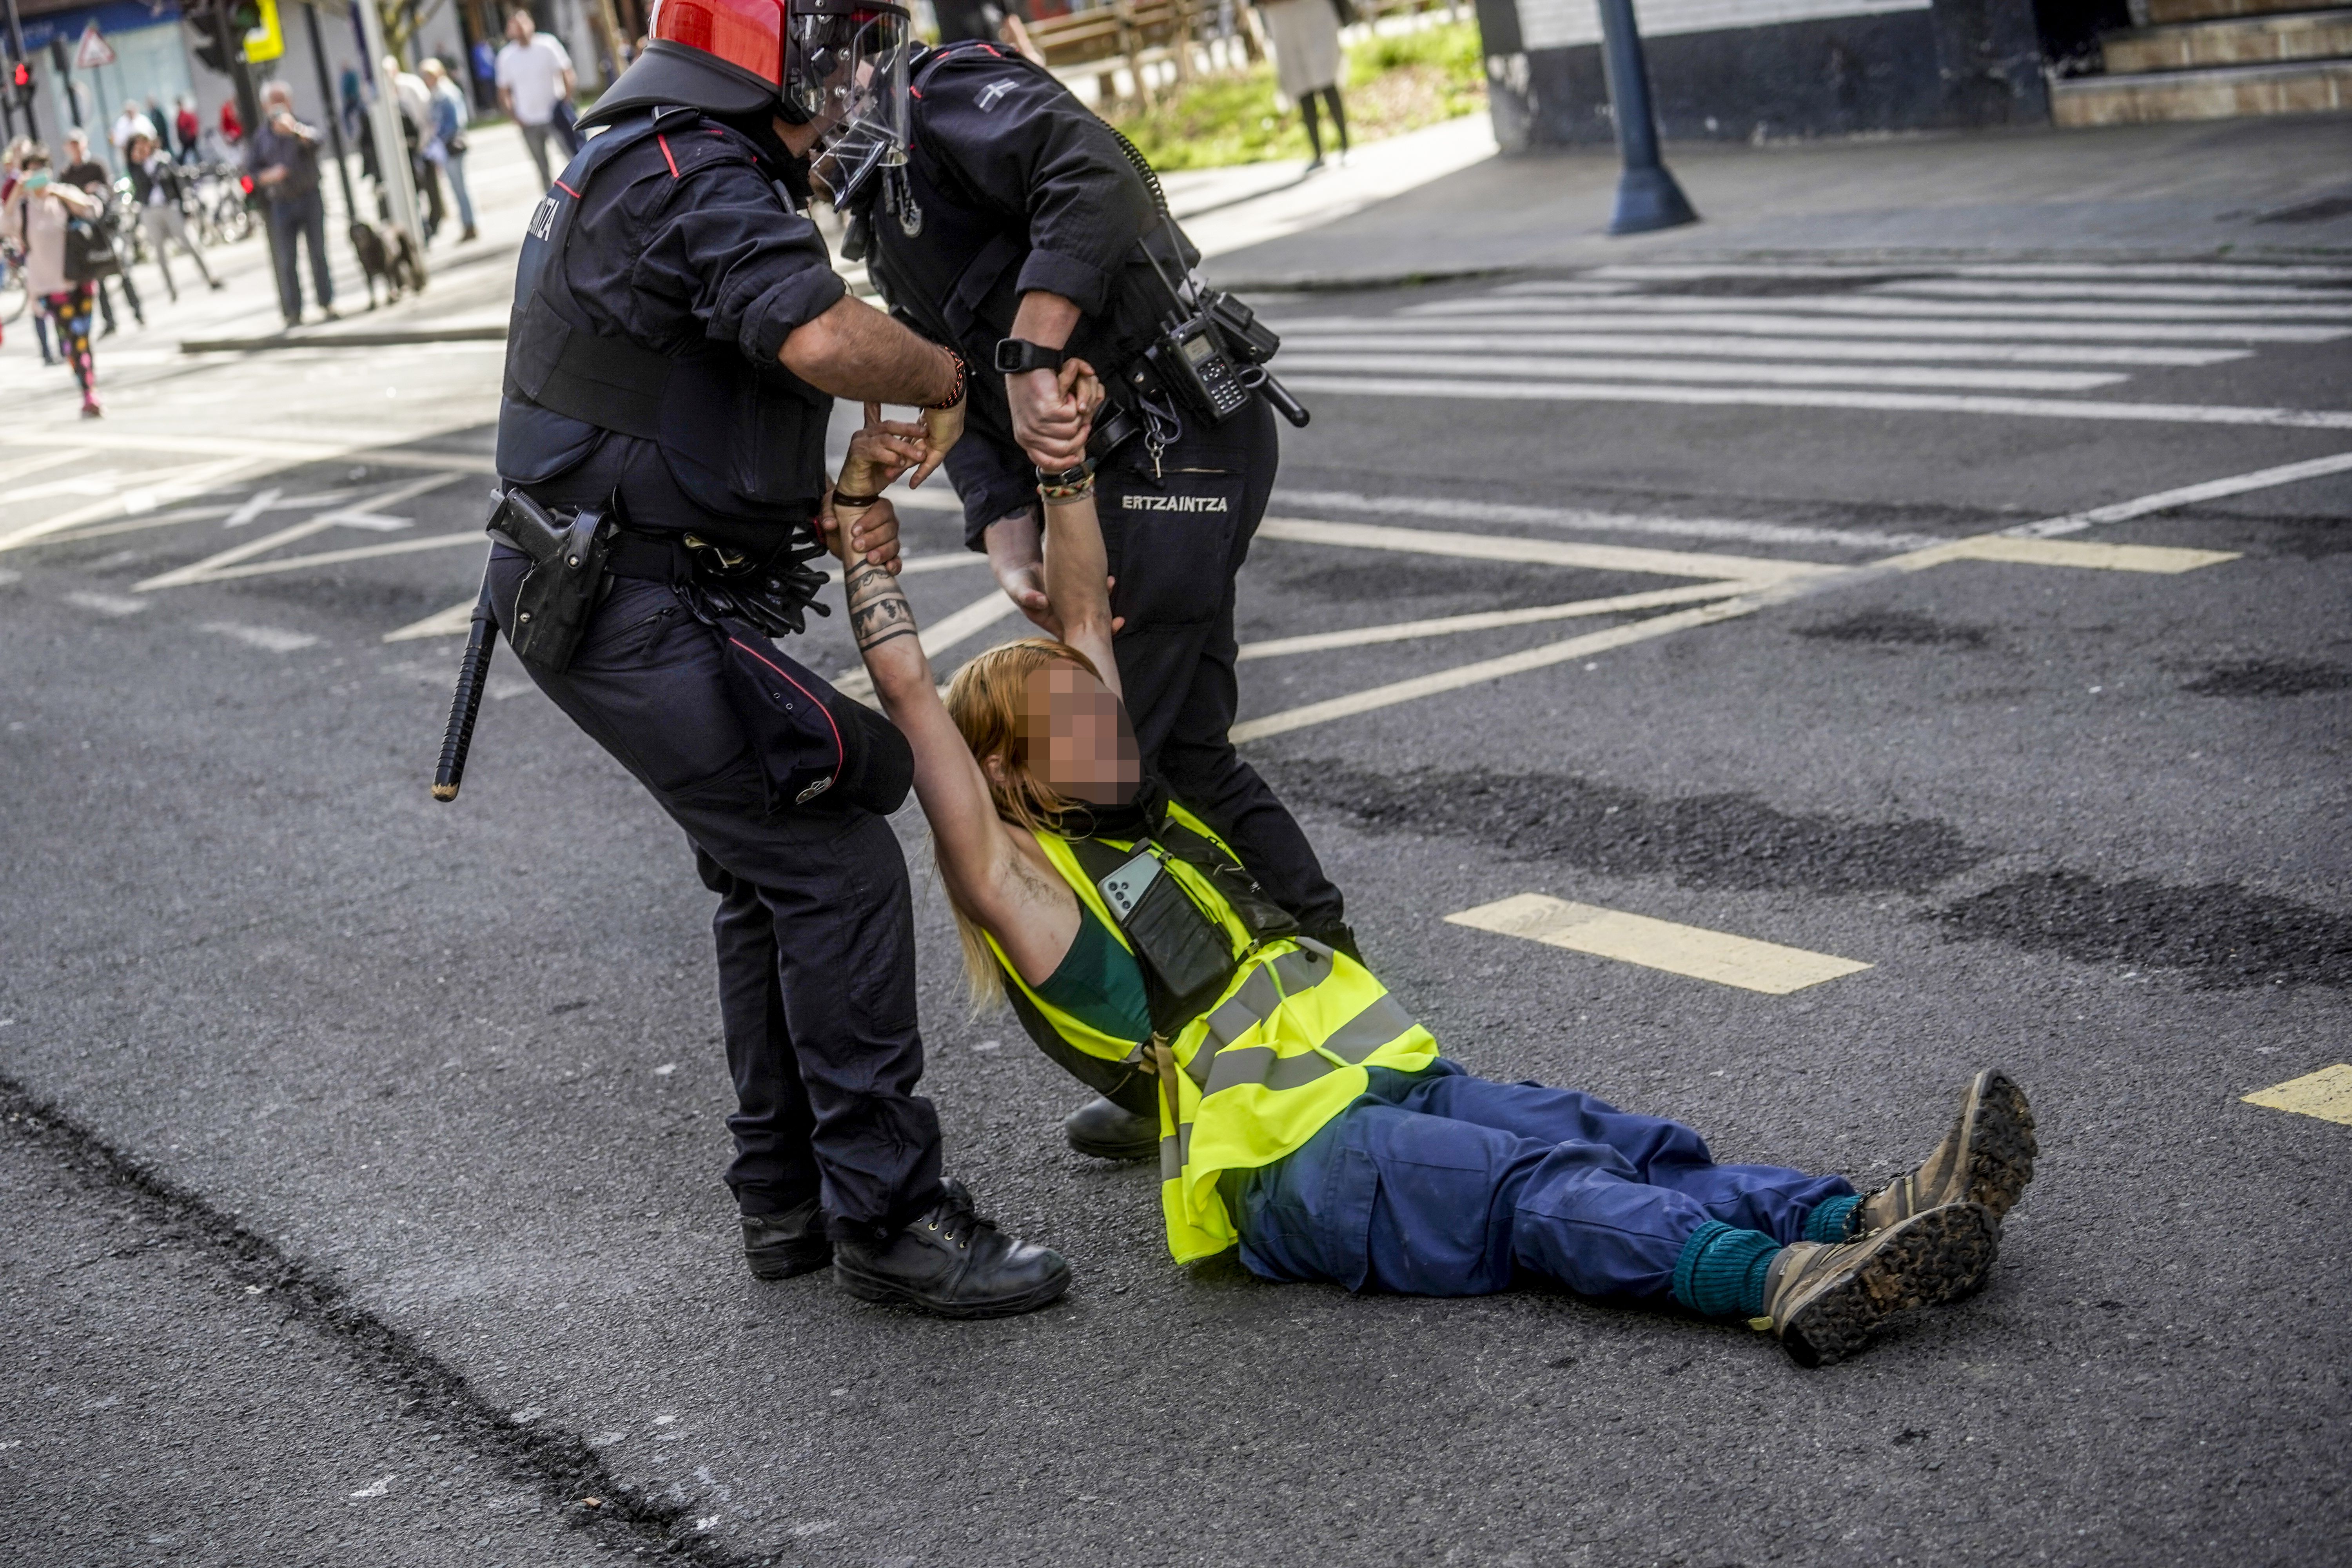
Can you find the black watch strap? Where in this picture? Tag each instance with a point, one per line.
(1015, 356)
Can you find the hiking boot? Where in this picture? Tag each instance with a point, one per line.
(1109, 1131)
(1824, 1298)
(1986, 1159)
(952, 1264)
(779, 1246)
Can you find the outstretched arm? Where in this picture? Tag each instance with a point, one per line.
(1033, 918)
(1077, 589)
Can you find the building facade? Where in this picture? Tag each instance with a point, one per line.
(1758, 70)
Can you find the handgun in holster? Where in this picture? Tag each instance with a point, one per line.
(566, 580)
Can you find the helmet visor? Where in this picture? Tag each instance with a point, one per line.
(852, 70)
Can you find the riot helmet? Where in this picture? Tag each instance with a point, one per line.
(837, 64)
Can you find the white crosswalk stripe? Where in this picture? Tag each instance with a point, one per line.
(1964, 339)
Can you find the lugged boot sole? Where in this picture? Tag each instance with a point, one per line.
(2001, 1145)
(1932, 1257)
(865, 1288)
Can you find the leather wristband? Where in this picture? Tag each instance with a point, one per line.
(842, 498)
(955, 396)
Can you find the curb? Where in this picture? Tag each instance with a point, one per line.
(392, 338)
(1324, 283)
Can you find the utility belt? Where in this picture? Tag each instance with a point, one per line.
(810, 741)
(1203, 365)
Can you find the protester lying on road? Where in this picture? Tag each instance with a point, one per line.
(1304, 1115)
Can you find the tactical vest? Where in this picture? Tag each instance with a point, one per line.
(742, 441)
(1249, 1076)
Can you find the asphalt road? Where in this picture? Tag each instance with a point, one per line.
(364, 1153)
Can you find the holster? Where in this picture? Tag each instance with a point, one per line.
(566, 580)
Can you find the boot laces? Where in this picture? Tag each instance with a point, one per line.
(955, 1218)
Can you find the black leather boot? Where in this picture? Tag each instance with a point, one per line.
(1109, 1131)
(953, 1264)
(779, 1246)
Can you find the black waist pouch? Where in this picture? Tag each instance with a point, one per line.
(1187, 959)
(566, 578)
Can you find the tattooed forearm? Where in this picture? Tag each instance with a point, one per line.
(877, 607)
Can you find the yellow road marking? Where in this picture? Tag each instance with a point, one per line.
(2025, 551)
(2326, 1094)
(1694, 950)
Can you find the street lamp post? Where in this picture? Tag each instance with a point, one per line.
(1647, 197)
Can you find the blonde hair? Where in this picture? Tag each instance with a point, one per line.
(989, 700)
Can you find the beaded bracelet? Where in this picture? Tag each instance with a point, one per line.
(1073, 483)
(956, 395)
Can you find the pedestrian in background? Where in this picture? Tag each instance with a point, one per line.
(10, 172)
(283, 160)
(40, 208)
(447, 145)
(415, 100)
(91, 174)
(1306, 62)
(186, 129)
(533, 73)
(989, 21)
(232, 129)
(157, 186)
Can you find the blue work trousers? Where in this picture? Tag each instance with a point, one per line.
(1440, 1184)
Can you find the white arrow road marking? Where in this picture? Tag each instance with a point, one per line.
(260, 502)
(228, 563)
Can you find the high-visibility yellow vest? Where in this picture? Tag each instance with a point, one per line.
(1282, 1050)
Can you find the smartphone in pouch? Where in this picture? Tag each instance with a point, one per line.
(1186, 951)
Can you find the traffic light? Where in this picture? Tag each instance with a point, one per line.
(21, 78)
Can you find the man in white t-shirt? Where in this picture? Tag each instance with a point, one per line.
(533, 72)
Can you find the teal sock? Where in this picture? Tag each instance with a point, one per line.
(1721, 1270)
(1831, 1219)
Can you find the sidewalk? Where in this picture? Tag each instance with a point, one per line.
(2251, 189)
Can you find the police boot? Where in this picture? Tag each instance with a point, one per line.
(1986, 1158)
(953, 1264)
(1109, 1131)
(779, 1246)
(1824, 1298)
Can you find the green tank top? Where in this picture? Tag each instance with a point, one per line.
(1100, 983)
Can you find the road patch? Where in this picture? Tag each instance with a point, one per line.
(1691, 951)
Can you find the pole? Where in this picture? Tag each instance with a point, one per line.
(1647, 197)
(383, 124)
(334, 114)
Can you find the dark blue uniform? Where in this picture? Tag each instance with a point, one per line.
(1013, 185)
(682, 242)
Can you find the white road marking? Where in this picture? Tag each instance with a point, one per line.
(2220, 293)
(107, 603)
(1655, 271)
(1372, 334)
(319, 558)
(961, 626)
(269, 639)
(2326, 1094)
(1577, 520)
(456, 621)
(1535, 552)
(228, 562)
(1570, 649)
(2186, 495)
(95, 482)
(317, 444)
(1691, 951)
(39, 460)
(1796, 397)
(168, 484)
(253, 507)
(1751, 316)
(1489, 620)
(2040, 552)
(1776, 373)
(1894, 306)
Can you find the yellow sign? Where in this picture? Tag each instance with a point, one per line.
(268, 41)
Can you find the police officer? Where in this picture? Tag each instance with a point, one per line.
(677, 339)
(1022, 231)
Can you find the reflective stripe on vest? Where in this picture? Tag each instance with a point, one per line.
(1258, 1073)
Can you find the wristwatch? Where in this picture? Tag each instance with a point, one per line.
(1015, 356)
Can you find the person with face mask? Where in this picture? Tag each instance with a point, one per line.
(1013, 224)
(677, 339)
(1305, 1116)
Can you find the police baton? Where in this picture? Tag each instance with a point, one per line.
(473, 674)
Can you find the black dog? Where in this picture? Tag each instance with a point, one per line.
(390, 254)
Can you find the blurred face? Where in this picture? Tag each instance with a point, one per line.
(141, 149)
(432, 73)
(77, 146)
(520, 26)
(1076, 736)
